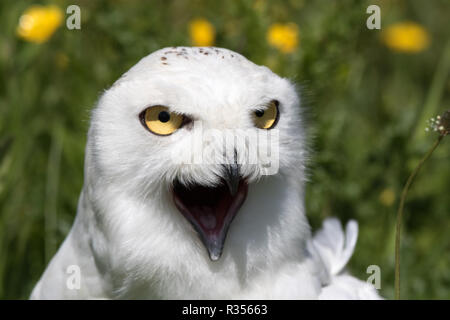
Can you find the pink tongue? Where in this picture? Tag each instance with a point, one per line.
(208, 220)
(212, 218)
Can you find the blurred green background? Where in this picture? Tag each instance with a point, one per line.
(366, 103)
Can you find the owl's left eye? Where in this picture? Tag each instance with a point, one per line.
(267, 118)
(161, 121)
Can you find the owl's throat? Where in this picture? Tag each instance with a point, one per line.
(210, 210)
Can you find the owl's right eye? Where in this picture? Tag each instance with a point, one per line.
(161, 121)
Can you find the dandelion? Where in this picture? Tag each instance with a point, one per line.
(409, 37)
(284, 37)
(202, 32)
(441, 125)
(38, 23)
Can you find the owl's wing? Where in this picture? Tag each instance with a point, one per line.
(72, 273)
(332, 248)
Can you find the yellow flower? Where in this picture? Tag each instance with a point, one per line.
(387, 197)
(283, 36)
(406, 37)
(38, 23)
(202, 32)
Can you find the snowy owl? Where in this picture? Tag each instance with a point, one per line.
(169, 210)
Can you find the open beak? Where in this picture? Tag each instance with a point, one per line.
(211, 210)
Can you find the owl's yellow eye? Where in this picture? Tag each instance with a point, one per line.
(267, 118)
(160, 121)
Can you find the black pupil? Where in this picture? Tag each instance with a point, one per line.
(259, 113)
(164, 116)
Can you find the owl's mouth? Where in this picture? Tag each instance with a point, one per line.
(211, 210)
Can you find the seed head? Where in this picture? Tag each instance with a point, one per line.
(440, 124)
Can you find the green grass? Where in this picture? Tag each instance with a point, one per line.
(367, 108)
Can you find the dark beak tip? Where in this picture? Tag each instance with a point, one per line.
(215, 249)
(214, 257)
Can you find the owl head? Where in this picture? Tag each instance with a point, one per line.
(202, 142)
